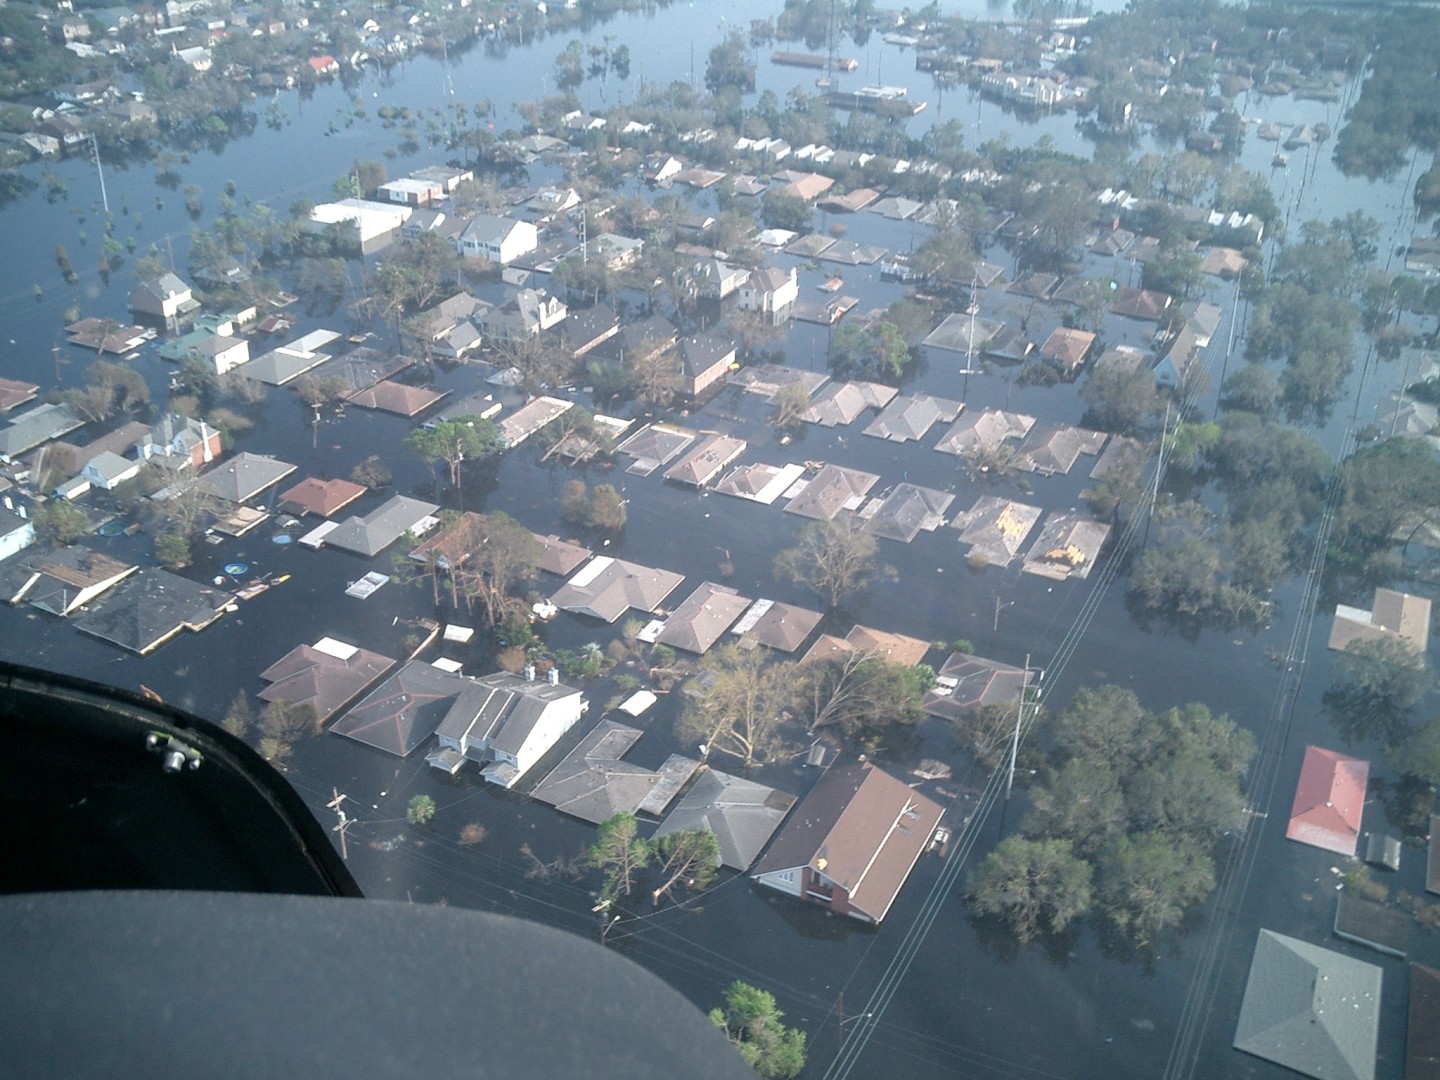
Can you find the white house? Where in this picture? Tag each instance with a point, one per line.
(505, 723)
(17, 532)
(221, 352)
(107, 470)
(771, 292)
(371, 225)
(166, 298)
(498, 239)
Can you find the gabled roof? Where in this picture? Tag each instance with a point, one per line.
(606, 588)
(502, 709)
(1145, 304)
(150, 608)
(404, 710)
(1329, 801)
(326, 676)
(860, 828)
(322, 497)
(742, 814)
(1396, 615)
(530, 418)
(62, 580)
(377, 530)
(36, 425)
(1310, 1009)
(702, 617)
(703, 464)
(244, 476)
(700, 353)
(13, 393)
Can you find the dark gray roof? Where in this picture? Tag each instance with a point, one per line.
(244, 476)
(702, 617)
(742, 814)
(404, 710)
(377, 530)
(907, 510)
(592, 782)
(34, 426)
(502, 708)
(319, 678)
(840, 403)
(910, 416)
(150, 608)
(1310, 1009)
(701, 352)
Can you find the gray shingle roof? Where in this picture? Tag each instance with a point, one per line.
(1310, 1009)
(742, 814)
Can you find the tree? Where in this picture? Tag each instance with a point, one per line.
(741, 710)
(502, 553)
(877, 352)
(835, 558)
(172, 549)
(454, 442)
(655, 375)
(790, 401)
(60, 522)
(861, 694)
(109, 388)
(1390, 491)
(238, 717)
(1035, 886)
(607, 508)
(287, 722)
(729, 65)
(575, 502)
(751, 1021)
(790, 212)
(372, 473)
(420, 810)
(1377, 683)
(620, 853)
(1121, 398)
(686, 856)
(1149, 881)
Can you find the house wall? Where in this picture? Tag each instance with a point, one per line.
(709, 377)
(559, 718)
(785, 881)
(17, 540)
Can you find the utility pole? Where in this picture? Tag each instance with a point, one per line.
(344, 823)
(99, 171)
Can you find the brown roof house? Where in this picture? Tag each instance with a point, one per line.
(780, 626)
(704, 360)
(704, 463)
(327, 676)
(703, 617)
(320, 497)
(404, 710)
(1329, 801)
(1394, 615)
(851, 843)
(606, 588)
(63, 581)
(1067, 348)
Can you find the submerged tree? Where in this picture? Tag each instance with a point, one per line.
(454, 442)
(741, 711)
(688, 857)
(751, 1020)
(1034, 885)
(620, 854)
(835, 558)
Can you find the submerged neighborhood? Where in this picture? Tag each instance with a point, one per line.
(729, 477)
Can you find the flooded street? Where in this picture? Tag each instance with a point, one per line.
(951, 998)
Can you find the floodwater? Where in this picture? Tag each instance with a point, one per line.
(969, 1004)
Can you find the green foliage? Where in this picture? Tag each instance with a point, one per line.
(238, 717)
(877, 352)
(791, 212)
(741, 709)
(420, 810)
(862, 695)
(688, 857)
(1036, 886)
(751, 1020)
(1377, 682)
(607, 508)
(454, 442)
(172, 549)
(1390, 491)
(620, 853)
(1140, 800)
(729, 65)
(60, 522)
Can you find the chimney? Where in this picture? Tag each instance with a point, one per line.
(554, 676)
(529, 672)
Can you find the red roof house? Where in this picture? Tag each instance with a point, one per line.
(1329, 801)
(852, 842)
